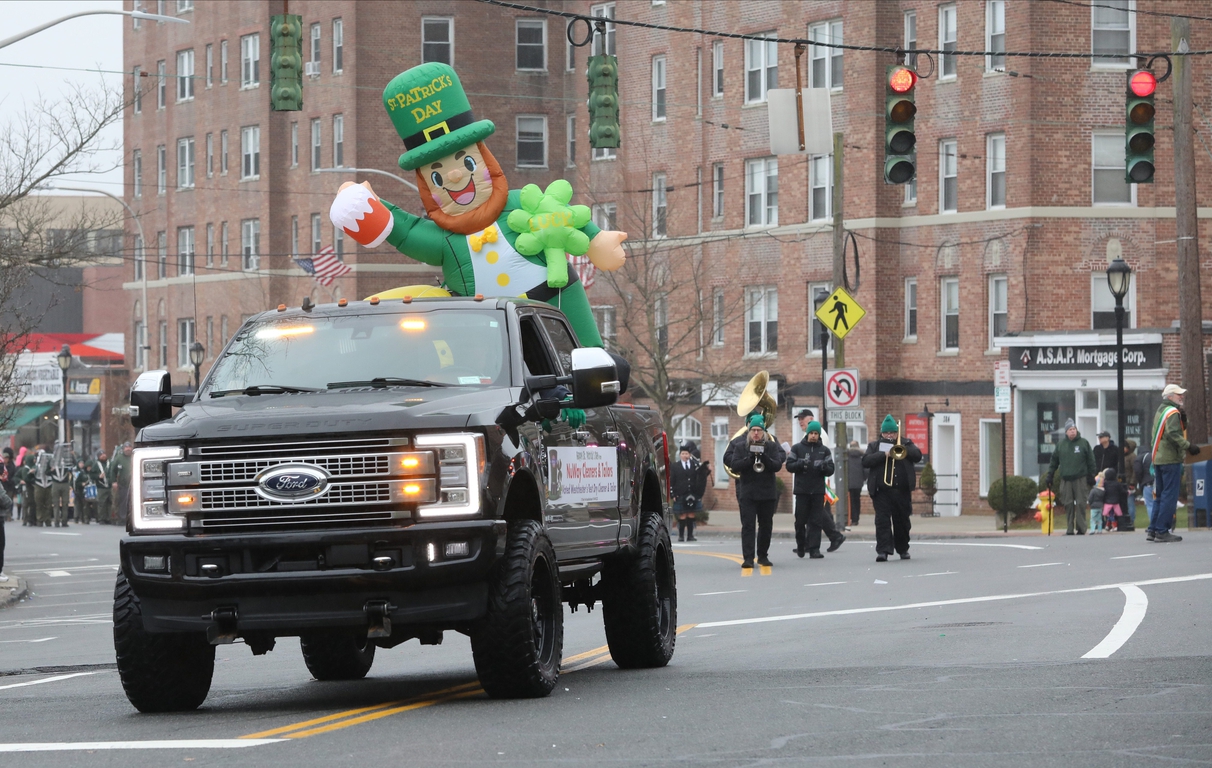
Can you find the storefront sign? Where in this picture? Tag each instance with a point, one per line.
(84, 386)
(1046, 427)
(1134, 426)
(917, 429)
(38, 377)
(1085, 358)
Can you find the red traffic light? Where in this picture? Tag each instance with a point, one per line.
(1143, 83)
(902, 80)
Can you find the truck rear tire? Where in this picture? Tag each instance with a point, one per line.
(168, 672)
(640, 600)
(518, 645)
(337, 655)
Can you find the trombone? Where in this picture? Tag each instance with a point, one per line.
(897, 452)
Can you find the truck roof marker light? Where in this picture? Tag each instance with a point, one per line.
(479, 297)
(408, 299)
(412, 324)
(342, 302)
(281, 307)
(277, 333)
(374, 301)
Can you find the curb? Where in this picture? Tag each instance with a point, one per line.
(14, 594)
(729, 533)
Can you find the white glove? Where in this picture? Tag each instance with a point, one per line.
(359, 212)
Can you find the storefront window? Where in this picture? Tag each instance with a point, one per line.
(1139, 407)
(1042, 425)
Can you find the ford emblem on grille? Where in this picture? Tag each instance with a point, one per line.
(292, 483)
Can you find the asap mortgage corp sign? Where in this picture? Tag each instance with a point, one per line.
(1085, 357)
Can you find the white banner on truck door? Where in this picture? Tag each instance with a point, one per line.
(583, 475)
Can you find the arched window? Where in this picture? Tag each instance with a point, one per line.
(686, 428)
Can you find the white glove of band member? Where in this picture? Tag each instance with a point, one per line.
(358, 211)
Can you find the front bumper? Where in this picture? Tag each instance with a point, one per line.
(288, 582)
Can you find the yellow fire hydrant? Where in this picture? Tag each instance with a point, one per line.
(1043, 510)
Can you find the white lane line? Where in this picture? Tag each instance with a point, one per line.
(729, 592)
(1129, 557)
(57, 574)
(1135, 605)
(61, 563)
(824, 584)
(54, 679)
(88, 746)
(958, 601)
(59, 533)
(39, 640)
(40, 604)
(971, 544)
(1039, 565)
(937, 573)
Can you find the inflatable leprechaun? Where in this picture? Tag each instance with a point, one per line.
(469, 203)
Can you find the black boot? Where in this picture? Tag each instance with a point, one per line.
(681, 529)
(690, 531)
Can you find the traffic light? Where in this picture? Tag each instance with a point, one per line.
(603, 74)
(899, 138)
(1138, 130)
(286, 62)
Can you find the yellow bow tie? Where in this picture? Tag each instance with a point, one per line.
(487, 236)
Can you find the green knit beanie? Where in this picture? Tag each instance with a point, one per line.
(889, 424)
(756, 420)
(813, 426)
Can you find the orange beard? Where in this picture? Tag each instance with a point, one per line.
(479, 218)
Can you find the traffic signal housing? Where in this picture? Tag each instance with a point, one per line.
(899, 138)
(1138, 127)
(286, 62)
(603, 74)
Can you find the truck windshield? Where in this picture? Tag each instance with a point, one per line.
(440, 347)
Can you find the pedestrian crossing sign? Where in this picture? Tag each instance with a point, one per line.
(840, 313)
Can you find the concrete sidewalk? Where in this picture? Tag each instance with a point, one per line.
(727, 523)
(11, 591)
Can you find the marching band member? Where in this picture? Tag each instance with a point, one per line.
(755, 457)
(890, 483)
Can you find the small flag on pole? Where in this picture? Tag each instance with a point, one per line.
(324, 267)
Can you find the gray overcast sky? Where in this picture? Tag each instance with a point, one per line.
(93, 42)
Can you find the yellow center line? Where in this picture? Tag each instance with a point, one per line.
(383, 713)
(723, 555)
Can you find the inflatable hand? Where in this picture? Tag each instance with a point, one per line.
(358, 210)
(547, 224)
(574, 416)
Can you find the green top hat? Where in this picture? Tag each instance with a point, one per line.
(430, 111)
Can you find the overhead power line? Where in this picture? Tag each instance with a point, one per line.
(1132, 10)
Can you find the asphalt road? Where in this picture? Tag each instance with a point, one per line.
(970, 654)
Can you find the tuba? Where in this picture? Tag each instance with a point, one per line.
(754, 397)
(897, 453)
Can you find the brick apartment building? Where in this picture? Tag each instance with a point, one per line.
(997, 251)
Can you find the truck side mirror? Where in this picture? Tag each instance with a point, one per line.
(151, 399)
(595, 379)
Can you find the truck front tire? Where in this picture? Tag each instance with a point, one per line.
(640, 601)
(168, 672)
(519, 643)
(337, 655)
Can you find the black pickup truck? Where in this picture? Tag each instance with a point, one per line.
(361, 474)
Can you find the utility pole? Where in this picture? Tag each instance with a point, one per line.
(841, 512)
(1186, 230)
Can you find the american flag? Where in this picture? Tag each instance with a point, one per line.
(586, 271)
(324, 266)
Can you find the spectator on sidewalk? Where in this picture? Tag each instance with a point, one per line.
(1143, 469)
(688, 481)
(6, 509)
(1073, 464)
(1095, 501)
(856, 477)
(1129, 475)
(1169, 444)
(1106, 453)
(119, 474)
(1116, 500)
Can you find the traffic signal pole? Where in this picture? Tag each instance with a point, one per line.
(1186, 231)
(841, 513)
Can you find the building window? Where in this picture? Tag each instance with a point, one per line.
(948, 181)
(161, 170)
(911, 308)
(210, 245)
(137, 90)
(531, 38)
(315, 47)
(140, 339)
(660, 205)
(223, 242)
(250, 61)
(821, 187)
(999, 302)
(570, 50)
(991, 454)
(761, 68)
(294, 145)
(717, 317)
(658, 89)
(185, 75)
(717, 68)
(161, 255)
(995, 167)
(222, 153)
(995, 35)
(161, 84)
(185, 250)
(250, 243)
(222, 62)
(698, 82)
(606, 327)
(136, 5)
(338, 240)
(185, 163)
(210, 65)
(1113, 33)
(1102, 303)
(294, 236)
(437, 40)
(185, 339)
(825, 63)
(210, 337)
(223, 337)
(338, 141)
(660, 324)
(817, 334)
(603, 11)
(1109, 184)
(136, 165)
(910, 36)
(185, 5)
(316, 231)
(717, 191)
(946, 41)
(210, 155)
(250, 152)
(605, 216)
(949, 290)
(761, 320)
(604, 153)
(163, 343)
(140, 258)
(315, 144)
(571, 134)
(762, 192)
(532, 141)
(338, 46)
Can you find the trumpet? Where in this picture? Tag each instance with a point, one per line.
(898, 452)
(758, 450)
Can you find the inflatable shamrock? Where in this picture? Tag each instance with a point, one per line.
(547, 224)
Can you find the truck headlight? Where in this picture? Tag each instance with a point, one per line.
(149, 501)
(461, 462)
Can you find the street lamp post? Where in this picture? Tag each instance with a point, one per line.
(344, 169)
(197, 353)
(115, 12)
(1119, 277)
(64, 359)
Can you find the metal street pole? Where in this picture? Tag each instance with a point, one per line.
(841, 512)
(343, 169)
(1005, 488)
(1119, 383)
(133, 14)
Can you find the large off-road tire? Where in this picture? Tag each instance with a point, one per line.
(159, 672)
(518, 644)
(337, 655)
(640, 600)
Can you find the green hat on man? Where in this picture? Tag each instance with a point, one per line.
(889, 424)
(813, 426)
(431, 113)
(756, 420)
